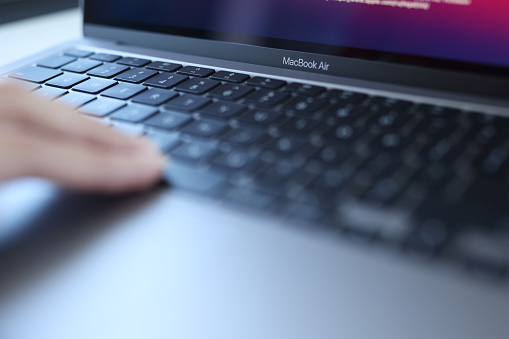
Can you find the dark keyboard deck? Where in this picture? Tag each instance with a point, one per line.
(431, 180)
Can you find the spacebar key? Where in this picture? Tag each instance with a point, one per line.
(188, 178)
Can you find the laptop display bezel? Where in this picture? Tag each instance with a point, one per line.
(441, 74)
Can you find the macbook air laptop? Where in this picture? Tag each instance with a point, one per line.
(339, 170)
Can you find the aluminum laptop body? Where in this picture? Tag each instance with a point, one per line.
(179, 262)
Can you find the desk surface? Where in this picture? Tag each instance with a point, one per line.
(22, 38)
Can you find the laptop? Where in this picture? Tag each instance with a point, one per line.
(339, 170)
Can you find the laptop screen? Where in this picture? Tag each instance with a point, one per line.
(471, 33)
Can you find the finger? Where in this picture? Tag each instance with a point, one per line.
(78, 166)
(59, 120)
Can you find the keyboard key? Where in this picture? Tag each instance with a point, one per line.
(164, 66)
(305, 105)
(250, 197)
(487, 134)
(329, 182)
(443, 151)
(231, 92)
(305, 213)
(35, 74)
(223, 109)
(187, 102)
(494, 163)
(267, 98)
(136, 75)
(56, 61)
(197, 86)
(78, 53)
(164, 141)
(434, 175)
(105, 57)
(343, 134)
(391, 119)
(194, 152)
(427, 240)
(389, 104)
(332, 155)
(134, 62)
(301, 126)
(134, 113)
(380, 164)
(436, 126)
(384, 191)
(75, 99)
(154, 97)
(205, 128)
(336, 95)
(94, 86)
(230, 77)
(81, 66)
(389, 142)
(196, 71)
(304, 89)
(286, 145)
(485, 119)
(186, 177)
(50, 93)
(169, 120)
(166, 80)
(366, 221)
(276, 176)
(246, 137)
(233, 161)
(266, 82)
(67, 80)
(102, 107)
(438, 110)
(261, 118)
(313, 198)
(108, 70)
(123, 91)
(346, 113)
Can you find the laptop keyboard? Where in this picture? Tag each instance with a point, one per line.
(429, 181)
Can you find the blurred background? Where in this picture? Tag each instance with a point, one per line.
(29, 26)
(11, 10)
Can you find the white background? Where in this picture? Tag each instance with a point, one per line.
(22, 38)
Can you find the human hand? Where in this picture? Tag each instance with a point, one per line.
(45, 139)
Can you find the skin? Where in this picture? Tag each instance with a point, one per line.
(45, 139)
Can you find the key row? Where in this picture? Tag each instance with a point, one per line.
(300, 104)
(110, 70)
(71, 56)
